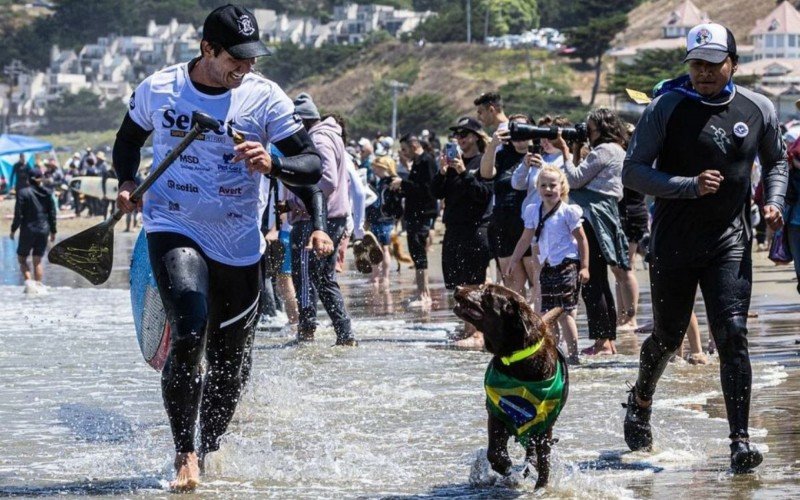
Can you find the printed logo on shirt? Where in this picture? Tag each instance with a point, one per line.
(227, 191)
(234, 215)
(741, 130)
(174, 207)
(227, 166)
(190, 162)
(180, 124)
(193, 160)
(187, 188)
(721, 139)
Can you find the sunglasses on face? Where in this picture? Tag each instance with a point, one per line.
(462, 134)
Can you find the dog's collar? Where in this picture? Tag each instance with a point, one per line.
(522, 353)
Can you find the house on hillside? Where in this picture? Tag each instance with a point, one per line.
(351, 23)
(673, 33)
(358, 21)
(776, 58)
(277, 28)
(777, 36)
(109, 67)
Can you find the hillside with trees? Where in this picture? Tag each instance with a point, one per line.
(444, 74)
(443, 80)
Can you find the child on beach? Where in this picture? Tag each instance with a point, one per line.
(554, 231)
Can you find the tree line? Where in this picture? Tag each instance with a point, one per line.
(589, 25)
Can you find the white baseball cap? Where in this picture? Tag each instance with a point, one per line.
(710, 42)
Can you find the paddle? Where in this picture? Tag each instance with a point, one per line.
(90, 253)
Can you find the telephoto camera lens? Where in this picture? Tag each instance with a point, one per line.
(525, 132)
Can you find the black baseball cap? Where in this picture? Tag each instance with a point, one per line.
(468, 123)
(236, 29)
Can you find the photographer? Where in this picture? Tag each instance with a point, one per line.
(596, 186)
(506, 225)
(541, 153)
(467, 209)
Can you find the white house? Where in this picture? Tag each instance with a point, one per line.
(113, 64)
(673, 33)
(777, 35)
(776, 58)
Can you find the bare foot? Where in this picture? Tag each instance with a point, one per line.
(187, 472)
(600, 348)
(474, 341)
(697, 358)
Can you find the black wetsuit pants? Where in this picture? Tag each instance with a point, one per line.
(211, 308)
(726, 283)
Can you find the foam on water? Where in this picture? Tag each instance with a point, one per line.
(82, 414)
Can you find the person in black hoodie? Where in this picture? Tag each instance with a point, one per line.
(35, 217)
(467, 210)
(420, 211)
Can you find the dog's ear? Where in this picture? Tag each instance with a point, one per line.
(517, 314)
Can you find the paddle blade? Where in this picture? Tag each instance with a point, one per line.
(89, 253)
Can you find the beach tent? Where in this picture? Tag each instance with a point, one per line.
(12, 145)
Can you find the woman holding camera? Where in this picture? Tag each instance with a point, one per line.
(596, 185)
(467, 209)
(542, 152)
(506, 225)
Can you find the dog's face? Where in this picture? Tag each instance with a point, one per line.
(506, 320)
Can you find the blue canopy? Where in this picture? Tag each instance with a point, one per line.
(12, 145)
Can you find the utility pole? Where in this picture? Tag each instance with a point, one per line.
(486, 21)
(396, 88)
(12, 70)
(469, 21)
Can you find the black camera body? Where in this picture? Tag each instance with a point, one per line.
(536, 148)
(525, 132)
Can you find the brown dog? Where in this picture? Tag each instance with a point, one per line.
(526, 381)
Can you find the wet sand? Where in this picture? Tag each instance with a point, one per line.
(399, 417)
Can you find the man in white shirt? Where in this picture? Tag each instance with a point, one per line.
(203, 217)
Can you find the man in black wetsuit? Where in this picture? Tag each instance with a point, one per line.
(703, 134)
(203, 216)
(35, 217)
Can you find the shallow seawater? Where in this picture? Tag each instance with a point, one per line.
(401, 416)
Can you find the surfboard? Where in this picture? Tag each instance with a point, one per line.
(149, 318)
(93, 186)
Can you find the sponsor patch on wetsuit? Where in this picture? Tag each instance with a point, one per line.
(741, 130)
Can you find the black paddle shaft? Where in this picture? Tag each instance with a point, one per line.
(90, 253)
(202, 123)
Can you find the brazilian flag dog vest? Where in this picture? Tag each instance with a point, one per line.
(526, 408)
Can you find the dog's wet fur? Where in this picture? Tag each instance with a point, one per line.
(509, 324)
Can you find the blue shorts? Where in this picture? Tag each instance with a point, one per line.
(286, 268)
(382, 231)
